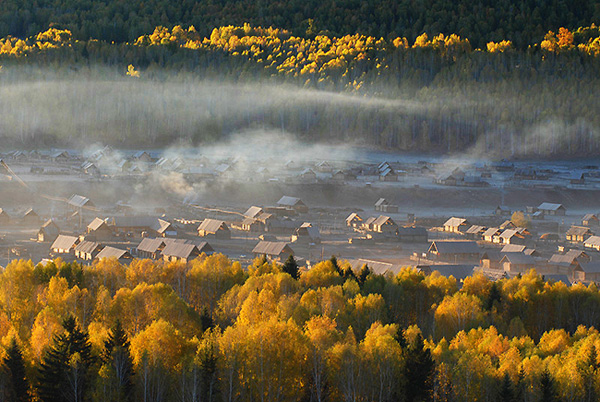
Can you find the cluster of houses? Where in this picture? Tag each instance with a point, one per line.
(383, 228)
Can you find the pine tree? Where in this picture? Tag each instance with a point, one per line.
(506, 393)
(365, 271)
(13, 361)
(64, 373)
(493, 297)
(419, 370)
(206, 319)
(291, 267)
(116, 354)
(548, 388)
(336, 265)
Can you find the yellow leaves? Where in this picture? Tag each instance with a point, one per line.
(558, 42)
(400, 43)
(132, 72)
(499, 47)
(160, 342)
(554, 342)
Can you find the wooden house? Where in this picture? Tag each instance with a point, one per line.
(517, 262)
(510, 236)
(213, 227)
(78, 202)
(388, 174)
(587, 272)
(142, 156)
(293, 203)
(578, 234)
(48, 232)
(566, 263)
(64, 244)
(123, 256)
(307, 233)
(30, 218)
(490, 234)
(383, 205)
(412, 234)
(184, 251)
(354, 221)
(99, 230)
(475, 232)
(550, 209)
(456, 225)
(384, 224)
(502, 211)
(308, 175)
(87, 250)
(273, 250)
(151, 248)
(590, 220)
(324, 167)
(453, 250)
(592, 242)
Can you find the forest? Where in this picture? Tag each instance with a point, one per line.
(523, 22)
(212, 330)
(434, 94)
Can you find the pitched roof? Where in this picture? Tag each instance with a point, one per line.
(382, 219)
(289, 201)
(455, 247)
(592, 241)
(352, 217)
(578, 231)
(271, 248)
(474, 229)
(491, 232)
(459, 272)
(508, 233)
(161, 226)
(548, 206)
(591, 267)
(513, 248)
(565, 259)
(381, 201)
(253, 212)
(212, 225)
(87, 246)
(96, 223)
(378, 267)
(507, 224)
(518, 258)
(64, 242)
(454, 222)
(50, 227)
(79, 201)
(588, 217)
(150, 245)
(110, 252)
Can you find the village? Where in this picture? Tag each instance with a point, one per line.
(498, 218)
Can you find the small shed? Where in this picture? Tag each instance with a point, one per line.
(548, 208)
(456, 225)
(384, 224)
(99, 229)
(353, 220)
(64, 244)
(307, 233)
(590, 220)
(293, 203)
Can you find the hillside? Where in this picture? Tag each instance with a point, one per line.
(523, 21)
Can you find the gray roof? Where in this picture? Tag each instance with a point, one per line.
(508, 233)
(212, 225)
(588, 217)
(50, 227)
(370, 220)
(548, 206)
(412, 231)
(79, 201)
(150, 245)
(455, 247)
(591, 267)
(518, 258)
(558, 278)
(64, 242)
(513, 248)
(271, 248)
(381, 201)
(565, 259)
(353, 216)
(253, 212)
(180, 249)
(289, 201)
(110, 252)
(474, 229)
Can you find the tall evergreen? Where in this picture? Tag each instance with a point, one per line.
(548, 388)
(291, 267)
(65, 370)
(419, 371)
(506, 392)
(13, 361)
(116, 354)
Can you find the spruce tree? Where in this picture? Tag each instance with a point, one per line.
(65, 371)
(116, 354)
(13, 361)
(291, 267)
(365, 271)
(419, 371)
(548, 388)
(506, 392)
